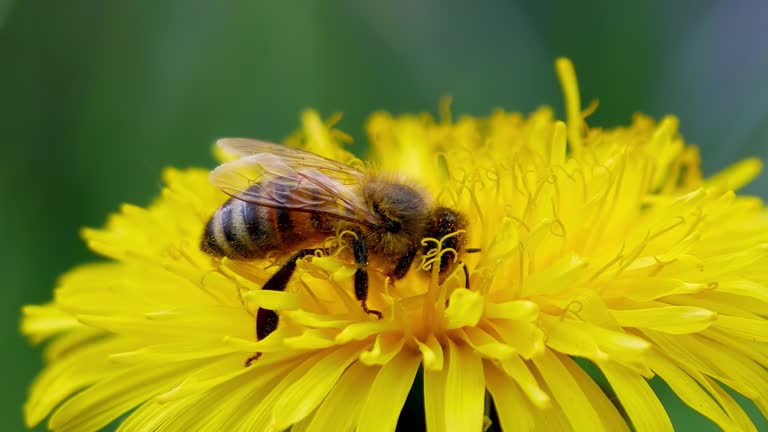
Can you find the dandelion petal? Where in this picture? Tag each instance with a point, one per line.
(434, 398)
(388, 393)
(515, 414)
(670, 319)
(690, 392)
(565, 390)
(105, 401)
(298, 400)
(341, 409)
(67, 375)
(643, 407)
(464, 389)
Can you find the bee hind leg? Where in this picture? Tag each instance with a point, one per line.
(267, 319)
(360, 251)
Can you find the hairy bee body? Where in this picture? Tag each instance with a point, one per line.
(289, 201)
(244, 231)
(240, 230)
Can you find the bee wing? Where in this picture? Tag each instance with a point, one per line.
(295, 183)
(299, 159)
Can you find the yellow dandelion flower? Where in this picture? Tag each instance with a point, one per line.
(602, 245)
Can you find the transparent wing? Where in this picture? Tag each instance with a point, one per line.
(282, 177)
(299, 159)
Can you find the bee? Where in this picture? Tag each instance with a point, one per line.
(288, 201)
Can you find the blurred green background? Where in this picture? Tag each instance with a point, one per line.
(97, 96)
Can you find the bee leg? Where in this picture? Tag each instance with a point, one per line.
(267, 319)
(404, 263)
(360, 250)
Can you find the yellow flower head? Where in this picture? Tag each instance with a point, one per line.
(600, 244)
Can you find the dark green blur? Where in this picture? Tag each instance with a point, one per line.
(97, 96)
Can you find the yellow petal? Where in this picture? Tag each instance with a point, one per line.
(566, 391)
(515, 310)
(638, 399)
(558, 149)
(105, 401)
(609, 415)
(269, 299)
(734, 410)
(515, 413)
(524, 337)
(751, 329)
(257, 414)
(559, 276)
(746, 288)
(671, 319)
(337, 269)
(307, 391)
(69, 374)
(464, 309)
(219, 371)
(174, 351)
(710, 360)
(431, 353)
(384, 348)
(518, 370)
(347, 396)
(486, 345)
(689, 391)
(587, 340)
(151, 416)
(388, 393)
(737, 175)
(434, 398)
(642, 289)
(464, 389)
(202, 321)
(363, 330)
(70, 342)
(311, 339)
(315, 320)
(42, 322)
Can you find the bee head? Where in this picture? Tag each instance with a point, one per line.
(448, 226)
(402, 213)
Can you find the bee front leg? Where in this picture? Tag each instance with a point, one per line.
(267, 319)
(360, 250)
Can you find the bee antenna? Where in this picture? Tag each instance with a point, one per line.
(472, 250)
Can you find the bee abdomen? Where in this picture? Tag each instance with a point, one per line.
(238, 230)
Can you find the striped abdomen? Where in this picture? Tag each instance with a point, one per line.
(239, 230)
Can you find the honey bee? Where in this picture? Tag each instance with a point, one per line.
(288, 201)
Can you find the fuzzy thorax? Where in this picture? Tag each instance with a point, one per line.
(404, 214)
